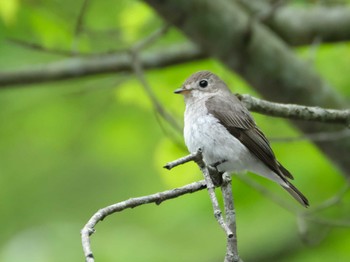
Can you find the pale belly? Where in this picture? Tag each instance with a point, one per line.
(218, 145)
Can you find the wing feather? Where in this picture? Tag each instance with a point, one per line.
(238, 121)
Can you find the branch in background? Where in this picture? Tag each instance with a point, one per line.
(157, 198)
(299, 26)
(138, 71)
(297, 112)
(149, 92)
(79, 25)
(105, 64)
(305, 216)
(150, 39)
(41, 48)
(321, 136)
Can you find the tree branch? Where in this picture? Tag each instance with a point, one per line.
(157, 198)
(297, 112)
(229, 226)
(300, 26)
(104, 64)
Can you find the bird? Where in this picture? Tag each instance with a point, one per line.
(219, 124)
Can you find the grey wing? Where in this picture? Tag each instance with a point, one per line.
(238, 121)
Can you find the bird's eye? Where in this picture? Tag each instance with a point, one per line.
(203, 83)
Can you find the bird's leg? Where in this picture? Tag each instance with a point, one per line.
(217, 163)
(215, 174)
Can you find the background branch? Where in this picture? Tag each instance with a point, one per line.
(98, 64)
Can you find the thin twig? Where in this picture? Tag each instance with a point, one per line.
(138, 70)
(80, 19)
(79, 25)
(151, 38)
(333, 200)
(265, 192)
(38, 47)
(191, 157)
(157, 198)
(155, 102)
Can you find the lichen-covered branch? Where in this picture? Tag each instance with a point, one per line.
(298, 112)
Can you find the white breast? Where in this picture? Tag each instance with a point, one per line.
(202, 130)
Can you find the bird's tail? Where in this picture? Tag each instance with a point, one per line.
(294, 192)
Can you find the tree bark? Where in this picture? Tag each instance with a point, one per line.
(223, 30)
(303, 25)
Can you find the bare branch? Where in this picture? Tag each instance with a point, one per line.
(192, 157)
(215, 203)
(157, 198)
(230, 214)
(291, 111)
(93, 65)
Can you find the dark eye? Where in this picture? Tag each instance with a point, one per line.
(203, 83)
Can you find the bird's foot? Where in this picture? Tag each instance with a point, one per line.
(216, 164)
(215, 174)
(226, 178)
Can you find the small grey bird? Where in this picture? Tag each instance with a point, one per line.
(217, 122)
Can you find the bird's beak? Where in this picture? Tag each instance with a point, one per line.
(183, 90)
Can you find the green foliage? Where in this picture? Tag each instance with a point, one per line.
(70, 148)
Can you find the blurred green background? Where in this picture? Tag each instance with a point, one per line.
(71, 147)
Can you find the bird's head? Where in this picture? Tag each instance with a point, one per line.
(202, 84)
